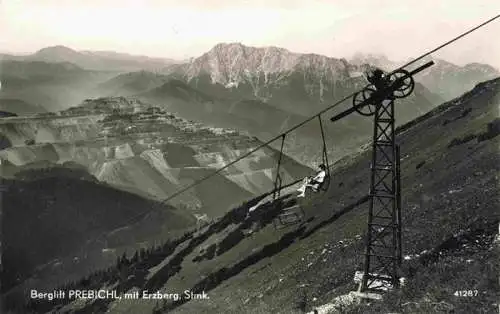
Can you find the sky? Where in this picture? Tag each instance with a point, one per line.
(180, 29)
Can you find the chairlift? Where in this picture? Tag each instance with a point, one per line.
(290, 216)
(294, 213)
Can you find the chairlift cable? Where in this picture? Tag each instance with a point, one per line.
(278, 180)
(175, 194)
(325, 151)
(446, 43)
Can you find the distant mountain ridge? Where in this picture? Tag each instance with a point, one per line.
(94, 60)
(449, 80)
(268, 74)
(444, 78)
(131, 83)
(230, 63)
(298, 83)
(53, 86)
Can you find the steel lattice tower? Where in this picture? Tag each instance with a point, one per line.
(382, 250)
(383, 240)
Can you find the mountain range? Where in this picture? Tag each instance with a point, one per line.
(270, 74)
(51, 86)
(261, 91)
(93, 60)
(221, 85)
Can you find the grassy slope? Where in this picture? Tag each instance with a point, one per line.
(50, 217)
(446, 190)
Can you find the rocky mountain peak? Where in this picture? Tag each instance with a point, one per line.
(231, 64)
(378, 60)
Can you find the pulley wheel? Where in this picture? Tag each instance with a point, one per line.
(405, 82)
(362, 96)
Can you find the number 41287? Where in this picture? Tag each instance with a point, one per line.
(466, 293)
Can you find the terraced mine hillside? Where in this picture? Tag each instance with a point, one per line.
(144, 150)
(450, 220)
